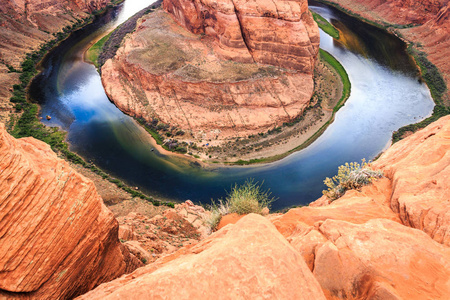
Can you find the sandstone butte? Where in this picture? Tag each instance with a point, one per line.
(57, 238)
(24, 26)
(390, 240)
(217, 69)
(430, 20)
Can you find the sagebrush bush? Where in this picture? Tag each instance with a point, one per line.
(350, 176)
(243, 199)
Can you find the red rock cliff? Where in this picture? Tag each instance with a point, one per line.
(57, 239)
(279, 33)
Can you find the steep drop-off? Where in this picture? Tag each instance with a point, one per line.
(57, 239)
(218, 75)
(387, 241)
(24, 26)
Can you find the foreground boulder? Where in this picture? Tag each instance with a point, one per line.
(57, 239)
(248, 260)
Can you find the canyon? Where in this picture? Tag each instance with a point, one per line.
(389, 240)
(217, 76)
(24, 26)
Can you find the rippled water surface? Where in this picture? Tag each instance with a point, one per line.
(386, 94)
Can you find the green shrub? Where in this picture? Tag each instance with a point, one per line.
(245, 199)
(350, 176)
(248, 198)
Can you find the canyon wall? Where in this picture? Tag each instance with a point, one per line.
(57, 238)
(389, 240)
(425, 23)
(279, 33)
(24, 26)
(223, 77)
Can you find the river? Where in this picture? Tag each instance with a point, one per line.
(386, 94)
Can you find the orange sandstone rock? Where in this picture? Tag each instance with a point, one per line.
(249, 259)
(380, 259)
(419, 167)
(57, 239)
(279, 33)
(355, 207)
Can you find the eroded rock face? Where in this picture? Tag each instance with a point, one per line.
(247, 260)
(57, 239)
(419, 168)
(151, 238)
(163, 72)
(279, 33)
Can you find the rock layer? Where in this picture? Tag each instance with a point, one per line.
(169, 74)
(57, 239)
(279, 33)
(419, 168)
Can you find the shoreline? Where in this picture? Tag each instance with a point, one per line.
(286, 142)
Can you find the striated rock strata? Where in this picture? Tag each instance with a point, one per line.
(209, 80)
(57, 239)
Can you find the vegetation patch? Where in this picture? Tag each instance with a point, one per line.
(333, 62)
(325, 25)
(244, 199)
(94, 52)
(351, 176)
(158, 130)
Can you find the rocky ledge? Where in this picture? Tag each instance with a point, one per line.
(218, 75)
(57, 238)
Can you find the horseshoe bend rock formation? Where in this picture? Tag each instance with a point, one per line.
(57, 239)
(231, 69)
